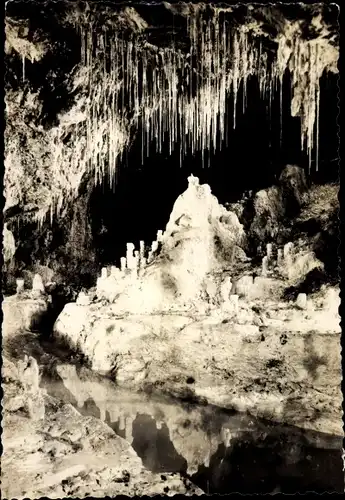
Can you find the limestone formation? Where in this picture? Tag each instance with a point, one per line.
(30, 378)
(129, 429)
(104, 273)
(20, 286)
(269, 251)
(123, 261)
(207, 459)
(154, 246)
(264, 269)
(193, 181)
(142, 249)
(298, 266)
(122, 423)
(244, 285)
(131, 261)
(288, 249)
(226, 436)
(114, 272)
(159, 235)
(9, 244)
(100, 285)
(288, 259)
(280, 258)
(234, 303)
(83, 299)
(37, 285)
(301, 301)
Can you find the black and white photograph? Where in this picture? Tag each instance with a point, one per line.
(171, 249)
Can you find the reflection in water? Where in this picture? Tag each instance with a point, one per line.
(155, 447)
(221, 451)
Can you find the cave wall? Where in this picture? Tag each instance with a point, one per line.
(78, 125)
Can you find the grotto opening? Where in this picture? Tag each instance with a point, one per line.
(170, 267)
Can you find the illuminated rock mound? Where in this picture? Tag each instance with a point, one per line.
(201, 237)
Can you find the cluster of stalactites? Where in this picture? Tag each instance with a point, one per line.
(306, 60)
(181, 98)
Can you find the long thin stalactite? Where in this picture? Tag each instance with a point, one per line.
(179, 97)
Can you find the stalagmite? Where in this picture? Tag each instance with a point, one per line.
(280, 257)
(288, 258)
(114, 272)
(244, 285)
(37, 285)
(83, 299)
(264, 269)
(104, 273)
(9, 244)
(123, 264)
(159, 235)
(207, 459)
(131, 262)
(301, 301)
(129, 429)
(142, 249)
(154, 246)
(20, 286)
(269, 251)
(137, 258)
(122, 423)
(288, 249)
(30, 376)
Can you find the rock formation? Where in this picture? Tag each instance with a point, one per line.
(26, 309)
(185, 300)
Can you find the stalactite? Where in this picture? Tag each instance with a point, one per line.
(182, 98)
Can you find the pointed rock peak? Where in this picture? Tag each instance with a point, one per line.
(193, 181)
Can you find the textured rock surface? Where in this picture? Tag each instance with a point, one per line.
(200, 237)
(22, 312)
(279, 360)
(67, 454)
(274, 360)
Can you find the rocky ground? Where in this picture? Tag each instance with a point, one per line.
(50, 449)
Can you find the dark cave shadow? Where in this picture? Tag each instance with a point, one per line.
(154, 446)
(270, 466)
